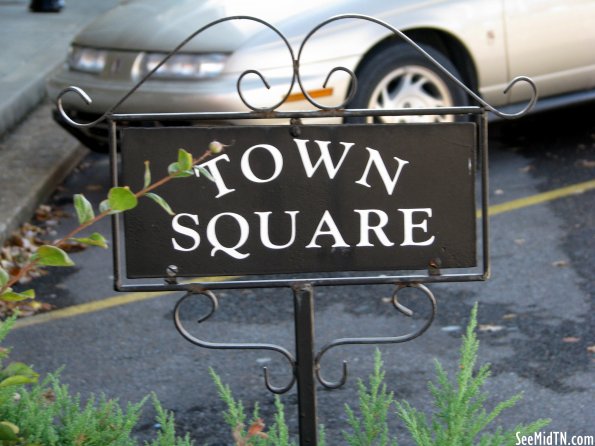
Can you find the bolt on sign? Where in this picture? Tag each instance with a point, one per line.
(312, 200)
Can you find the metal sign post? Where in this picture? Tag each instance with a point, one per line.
(297, 206)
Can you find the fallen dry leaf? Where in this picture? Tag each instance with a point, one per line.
(94, 187)
(510, 316)
(490, 328)
(591, 348)
(16, 252)
(561, 263)
(589, 164)
(570, 339)
(527, 169)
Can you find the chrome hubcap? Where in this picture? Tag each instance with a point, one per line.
(411, 87)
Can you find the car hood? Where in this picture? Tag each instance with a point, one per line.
(160, 25)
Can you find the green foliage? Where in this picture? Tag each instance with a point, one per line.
(161, 202)
(461, 417)
(167, 433)
(48, 255)
(235, 418)
(183, 167)
(235, 415)
(48, 414)
(84, 210)
(371, 428)
(16, 373)
(279, 432)
(9, 295)
(95, 239)
(204, 172)
(121, 199)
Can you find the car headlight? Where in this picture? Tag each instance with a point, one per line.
(184, 66)
(89, 60)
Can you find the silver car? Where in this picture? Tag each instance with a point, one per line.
(484, 43)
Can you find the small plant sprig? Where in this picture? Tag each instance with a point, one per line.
(119, 199)
(255, 434)
(371, 428)
(461, 417)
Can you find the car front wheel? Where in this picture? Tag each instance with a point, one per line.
(399, 77)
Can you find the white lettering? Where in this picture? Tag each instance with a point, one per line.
(211, 165)
(325, 157)
(333, 231)
(264, 230)
(176, 226)
(376, 159)
(365, 228)
(247, 170)
(229, 250)
(409, 226)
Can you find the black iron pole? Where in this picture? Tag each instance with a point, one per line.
(304, 345)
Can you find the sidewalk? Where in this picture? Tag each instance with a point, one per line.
(35, 154)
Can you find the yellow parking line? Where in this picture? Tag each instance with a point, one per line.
(532, 200)
(125, 299)
(98, 305)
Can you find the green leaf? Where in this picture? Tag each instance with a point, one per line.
(17, 380)
(94, 239)
(147, 175)
(20, 369)
(205, 173)
(185, 160)
(121, 199)
(8, 431)
(104, 206)
(12, 296)
(84, 210)
(161, 202)
(175, 171)
(48, 255)
(4, 277)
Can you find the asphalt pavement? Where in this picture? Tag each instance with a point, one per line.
(35, 154)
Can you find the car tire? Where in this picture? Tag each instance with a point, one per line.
(400, 77)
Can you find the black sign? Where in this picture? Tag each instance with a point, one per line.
(323, 199)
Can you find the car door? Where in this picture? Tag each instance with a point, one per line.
(552, 42)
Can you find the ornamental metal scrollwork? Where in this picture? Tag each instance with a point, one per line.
(295, 62)
(378, 340)
(228, 345)
(290, 358)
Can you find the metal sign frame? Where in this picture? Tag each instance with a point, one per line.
(306, 364)
(474, 114)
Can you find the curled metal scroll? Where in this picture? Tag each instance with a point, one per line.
(378, 340)
(296, 74)
(87, 99)
(422, 52)
(230, 346)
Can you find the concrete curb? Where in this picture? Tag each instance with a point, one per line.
(18, 104)
(35, 158)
